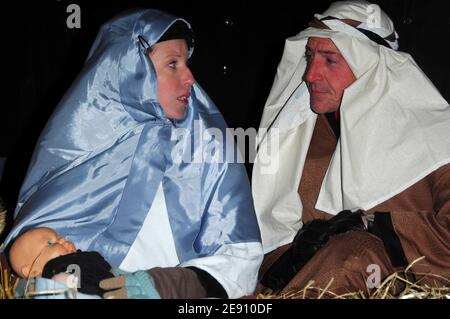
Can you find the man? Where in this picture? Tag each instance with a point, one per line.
(363, 180)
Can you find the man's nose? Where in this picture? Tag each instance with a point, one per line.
(313, 73)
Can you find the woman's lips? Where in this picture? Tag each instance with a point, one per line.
(184, 99)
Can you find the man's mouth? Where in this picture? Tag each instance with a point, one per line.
(315, 91)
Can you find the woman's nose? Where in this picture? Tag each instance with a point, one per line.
(189, 79)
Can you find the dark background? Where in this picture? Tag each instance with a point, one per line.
(238, 47)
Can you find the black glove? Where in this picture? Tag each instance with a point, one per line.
(309, 239)
(346, 221)
(93, 269)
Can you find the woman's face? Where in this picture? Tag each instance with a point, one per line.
(175, 79)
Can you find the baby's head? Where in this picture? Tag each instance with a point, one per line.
(33, 249)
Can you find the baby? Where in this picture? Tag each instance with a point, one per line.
(32, 250)
(42, 252)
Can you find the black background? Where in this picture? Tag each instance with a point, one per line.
(42, 56)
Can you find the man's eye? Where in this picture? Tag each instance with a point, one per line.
(172, 65)
(50, 243)
(331, 61)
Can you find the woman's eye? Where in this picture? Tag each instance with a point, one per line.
(173, 65)
(50, 243)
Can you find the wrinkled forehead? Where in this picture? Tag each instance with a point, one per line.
(321, 44)
(358, 53)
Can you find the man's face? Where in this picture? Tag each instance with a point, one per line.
(174, 76)
(327, 75)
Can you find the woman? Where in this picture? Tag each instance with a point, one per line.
(116, 169)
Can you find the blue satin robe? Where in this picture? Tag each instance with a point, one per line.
(108, 145)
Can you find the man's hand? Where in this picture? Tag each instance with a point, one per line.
(309, 239)
(315, 234)
(137, 285)
(347, 221)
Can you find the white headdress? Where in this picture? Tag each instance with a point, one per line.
(394, 128)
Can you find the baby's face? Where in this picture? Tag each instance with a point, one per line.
(48, 245)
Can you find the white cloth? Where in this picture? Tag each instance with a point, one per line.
(51, 289)
(370, 15)
(243, 259)
(145, 252)
(394, 132)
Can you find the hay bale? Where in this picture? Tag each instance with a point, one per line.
(411, 290)
(8, 281)
(2, 217)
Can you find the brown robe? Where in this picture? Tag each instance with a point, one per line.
(420, 217)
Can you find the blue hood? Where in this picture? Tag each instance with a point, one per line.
(108, 146)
